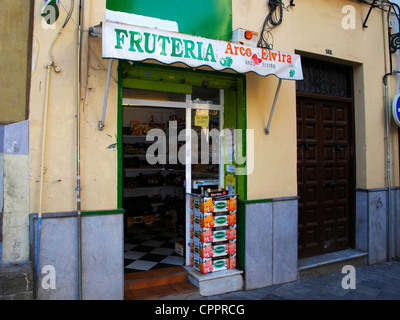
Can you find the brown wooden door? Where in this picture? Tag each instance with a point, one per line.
(324, 170)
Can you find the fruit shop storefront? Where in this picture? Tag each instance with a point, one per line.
(185, 150)
(165, 155)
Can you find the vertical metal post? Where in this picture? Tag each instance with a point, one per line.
(78, 157)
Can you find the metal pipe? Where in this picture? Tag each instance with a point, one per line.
(273, 106)
(46, 103)
(388, 163)
(78, 157)
(39, 225)
(387, 129)
(103, 119)
(396, 26)
(389, 206)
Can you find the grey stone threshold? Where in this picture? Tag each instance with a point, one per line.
(330, 262)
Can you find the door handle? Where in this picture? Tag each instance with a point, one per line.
(330, 184)
(337, 146)
(305, 144)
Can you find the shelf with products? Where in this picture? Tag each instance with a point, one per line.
(151, 192)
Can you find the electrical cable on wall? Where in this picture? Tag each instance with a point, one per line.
(273, 19)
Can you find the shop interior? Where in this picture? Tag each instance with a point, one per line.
(154, 193)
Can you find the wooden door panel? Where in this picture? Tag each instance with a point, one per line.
(324, 175)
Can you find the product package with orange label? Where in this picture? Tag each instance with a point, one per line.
(213, 232)
(212, 250)
(207, 265)
(213, 212)
(213, 204)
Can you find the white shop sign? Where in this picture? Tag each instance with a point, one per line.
(128, 42)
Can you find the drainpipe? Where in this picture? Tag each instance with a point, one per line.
(389, 205)
(386, 33)
(78, 157)
(39, 225)
(387, 125)
(396, 26)
(46, 104)
(387, 57)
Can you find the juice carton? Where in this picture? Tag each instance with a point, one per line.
(191, 259)
(232, 261)
(204, 220)
(220, 205)
(211, 235)
(220, 264)
(213, 250)
(220, 235)
(202, 204)
(231, 218)
(221, 220)
(206, 205)
(207, 265)
(232, 203)
(203, 250)
(231, 233)
(191, 217)
(231, 247)
(203, 265)
(191, 245)
(203, 234)
(220, 249)
(209, 220)
(225, 204)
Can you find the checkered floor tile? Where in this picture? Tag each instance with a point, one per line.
(150, 247)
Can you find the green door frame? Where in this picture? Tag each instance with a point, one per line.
(163, 78)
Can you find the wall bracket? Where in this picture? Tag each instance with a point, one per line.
(273, 106)
(373, 5)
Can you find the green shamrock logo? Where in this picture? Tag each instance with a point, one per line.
(226, 62)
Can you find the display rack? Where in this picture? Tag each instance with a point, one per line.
(213, 232)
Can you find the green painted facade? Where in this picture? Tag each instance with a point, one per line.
(207, 18)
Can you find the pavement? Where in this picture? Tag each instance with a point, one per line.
(372, 282)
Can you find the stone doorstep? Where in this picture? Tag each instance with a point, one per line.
(16, 281)
(330, 262)
(215, 283)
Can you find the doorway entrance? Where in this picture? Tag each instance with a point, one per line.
(182, 109)
(325, 159)
(164, 158)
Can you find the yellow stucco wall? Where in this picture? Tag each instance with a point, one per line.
(14, 40)
(310, 27)
(98, 162)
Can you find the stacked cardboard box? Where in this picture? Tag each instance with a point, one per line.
(213, 232)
